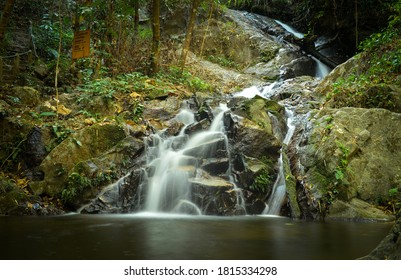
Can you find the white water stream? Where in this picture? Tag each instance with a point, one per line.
(173, 163)
(322, 70)
(291, 29)
(278, 195)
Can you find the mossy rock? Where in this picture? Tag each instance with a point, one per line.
(257, 110)
(26, 96)
(356, 210)
(291, 188)
(88, 178)
(85, 144)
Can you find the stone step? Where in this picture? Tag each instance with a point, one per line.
(215, 166)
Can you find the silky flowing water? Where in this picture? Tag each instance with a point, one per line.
(174, 161)
(150, 236)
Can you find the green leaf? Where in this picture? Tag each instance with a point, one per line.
(47, 114)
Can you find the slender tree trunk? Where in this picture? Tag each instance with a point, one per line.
(207, 27)
(190, 29)
(155, 59)
(136, 16)
(5, 17)
(356, 25)
(77, 17)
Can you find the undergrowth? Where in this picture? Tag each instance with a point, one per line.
(374, 83)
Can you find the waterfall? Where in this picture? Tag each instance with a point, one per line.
(291, 29)
(322, 70)
(173, 165)
(278, 195)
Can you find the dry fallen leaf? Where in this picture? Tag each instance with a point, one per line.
(61, 109)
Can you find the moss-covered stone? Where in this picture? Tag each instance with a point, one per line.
(87, 143)
(26, 96)
(345, 155)
(356, 210)
(87, 178)
(291, 187)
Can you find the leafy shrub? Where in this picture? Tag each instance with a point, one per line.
(379, 65)
(262, 183)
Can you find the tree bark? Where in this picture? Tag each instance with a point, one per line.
(155, 57)
(4, 19)
(190, 29)
(136, 16)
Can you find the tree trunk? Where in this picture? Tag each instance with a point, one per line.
(155, 59)
(356, 25)
(190, 29)
(108, 43)
(136, 16)
(4, 19)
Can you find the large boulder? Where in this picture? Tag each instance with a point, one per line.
(253, 133)
(343, 155)
(87, 143)
(271, 70)
(87, 178)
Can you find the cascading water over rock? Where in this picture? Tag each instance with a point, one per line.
(185, 172)
(278, 195)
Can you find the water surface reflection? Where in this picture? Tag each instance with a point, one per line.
(184, 237)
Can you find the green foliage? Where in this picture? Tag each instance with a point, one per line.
(60, 133)
(223, 61)
(262, 183)
(47, 36)
(145, 33)
(394, 199)
(6, 184)
(78, 184)
(363, 90)
(394, 195)
(107, 87)
(13, 151)
(342, 166)
(177, 76)
(136, 110)
(268, 54)
(14, 99)
(42, 115)
(239, 3)
(89, 114)
(379, 66)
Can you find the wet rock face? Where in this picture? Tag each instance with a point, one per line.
(214, 197)
(123, 196)
(303, 66)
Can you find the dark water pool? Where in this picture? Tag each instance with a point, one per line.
(184, 237)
